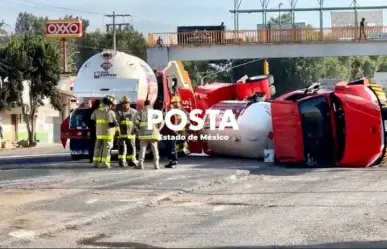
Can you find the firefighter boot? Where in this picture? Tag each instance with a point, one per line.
(133, 163)
(171, 165)
(122, 164)
(140, 166)
(156, 166)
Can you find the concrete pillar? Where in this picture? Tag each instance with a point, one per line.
(158, 58)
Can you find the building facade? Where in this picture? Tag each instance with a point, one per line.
(48, 120)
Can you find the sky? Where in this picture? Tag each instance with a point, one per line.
(155, 16)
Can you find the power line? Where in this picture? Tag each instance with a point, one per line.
(50, 7)
(228, 69)
(114, 27)
(38, 5)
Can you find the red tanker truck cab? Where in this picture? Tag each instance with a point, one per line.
(343, 127)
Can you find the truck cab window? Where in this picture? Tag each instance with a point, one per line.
(77, 119)
(317, 131)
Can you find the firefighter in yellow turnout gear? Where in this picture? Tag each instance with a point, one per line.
(106, 124)
(180, 144)
(147, 137)
(126, 139)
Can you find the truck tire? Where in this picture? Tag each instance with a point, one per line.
(76, 157)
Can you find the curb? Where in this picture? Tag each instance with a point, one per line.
(33, 155)
(125, 208)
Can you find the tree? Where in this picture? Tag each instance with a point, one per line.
(284, 18)
(294, 73)
(128, 41)
(8, 91)
(39, 66)
(27, 23)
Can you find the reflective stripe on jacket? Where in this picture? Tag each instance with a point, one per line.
(126, 121)
(144, 133)
(103, 116)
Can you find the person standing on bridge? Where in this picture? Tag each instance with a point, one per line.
(362, 28)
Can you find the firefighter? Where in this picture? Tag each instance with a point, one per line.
(126, 140)
(180, 144)
(146, 137)
(91, 124)
(172, 145)
(106, 126)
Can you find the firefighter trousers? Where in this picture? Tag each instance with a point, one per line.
(127, 150)
(102, 151)
(91, 149)
(171, 150)
(155, 151)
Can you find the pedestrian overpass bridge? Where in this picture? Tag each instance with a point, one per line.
(274, 43)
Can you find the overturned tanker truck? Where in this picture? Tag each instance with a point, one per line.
(344, 125)
(120, 74)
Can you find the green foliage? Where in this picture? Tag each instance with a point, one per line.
(29, 24)
(78, 51)
(128, 41)
(208, 71)
(295, 73)
(34, 60)
(285, 18)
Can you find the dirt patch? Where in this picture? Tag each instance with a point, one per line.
(14, 216)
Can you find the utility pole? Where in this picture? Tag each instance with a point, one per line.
(114, 27)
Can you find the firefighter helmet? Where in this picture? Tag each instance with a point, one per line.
(109, 100)
(175, 99)
(125, 99)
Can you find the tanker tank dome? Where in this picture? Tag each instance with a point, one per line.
(118, 74)
(119, 65)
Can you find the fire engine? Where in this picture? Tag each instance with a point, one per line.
(120, 74)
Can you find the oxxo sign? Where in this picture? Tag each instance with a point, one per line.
(63, 29)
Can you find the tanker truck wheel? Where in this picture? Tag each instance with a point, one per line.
(76, 157)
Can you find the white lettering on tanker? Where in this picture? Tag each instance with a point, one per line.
(104, 74)
(227, 119)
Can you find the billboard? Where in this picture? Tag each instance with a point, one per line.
(195, 34)
(63, 29)
(347, 18)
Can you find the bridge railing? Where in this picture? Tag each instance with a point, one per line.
(264, 36)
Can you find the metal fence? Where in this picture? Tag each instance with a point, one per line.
(262, 36)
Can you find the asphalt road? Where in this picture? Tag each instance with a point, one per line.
(207, 202)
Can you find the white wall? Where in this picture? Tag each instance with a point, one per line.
(47, 123)
(381, 78)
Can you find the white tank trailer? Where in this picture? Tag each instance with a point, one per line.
(118, 74)
(253, 136)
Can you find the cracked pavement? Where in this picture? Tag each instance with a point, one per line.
(206, 202)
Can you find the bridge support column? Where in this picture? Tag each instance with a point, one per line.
(158, 58)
